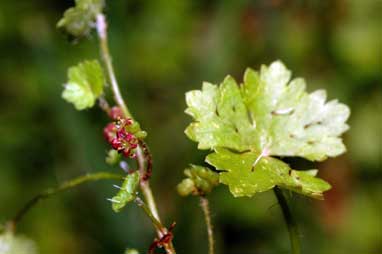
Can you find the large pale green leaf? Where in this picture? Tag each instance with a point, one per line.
(12, 244)
(267, 112)
(79, 20)
(85, 84)
(268, 115)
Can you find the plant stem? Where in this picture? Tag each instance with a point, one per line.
(289, 220)
(145, 185)
(11, 225)
(143, 155)
(106, 56)
(207, 216)
(158, 225)
(151, 209)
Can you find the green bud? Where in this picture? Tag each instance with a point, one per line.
(141, 134)
(133, 127)
(200, 181)
(186, 187)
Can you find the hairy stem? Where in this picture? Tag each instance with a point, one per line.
(289, 220)
(144, 166)
(143, 155)
(158, 225)
(106, 56)
(144, 183)
(207, 216)
(11, 225)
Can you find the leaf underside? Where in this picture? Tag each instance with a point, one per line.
(268, 115)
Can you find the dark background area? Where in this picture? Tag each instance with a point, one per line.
(162, 49)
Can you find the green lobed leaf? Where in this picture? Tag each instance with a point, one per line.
(85, 84)
(221, 117)
(268, 115)
(79, 20)
(12, 244)
(247, 173)
(127, 192)
(200, 181)
(267, 112)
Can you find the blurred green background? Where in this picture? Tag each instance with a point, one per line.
(162, 49)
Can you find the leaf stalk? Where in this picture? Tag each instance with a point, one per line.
(101, 26)
(204, 204)
(289, 220)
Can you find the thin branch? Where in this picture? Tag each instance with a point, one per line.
(207, 216)
(11, 225)
(290, 221)
(105, 52)
(158, 225)
(143, 155)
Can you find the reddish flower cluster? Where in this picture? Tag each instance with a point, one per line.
(117, 134)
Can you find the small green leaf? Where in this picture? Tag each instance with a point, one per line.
(85, 84)
(12, 244)
(268, 115)
(127, 193)
(248, 173)
(200, 181)
(79, 20)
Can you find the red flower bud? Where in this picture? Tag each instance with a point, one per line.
(126, 152)
(115, 113)
(122, 134)
(109, 132)
(117, 144)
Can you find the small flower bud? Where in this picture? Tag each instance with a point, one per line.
(115, 113)
(126, 152)
(109, 132)
(117, 144)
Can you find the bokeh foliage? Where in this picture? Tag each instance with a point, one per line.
(161, 50)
